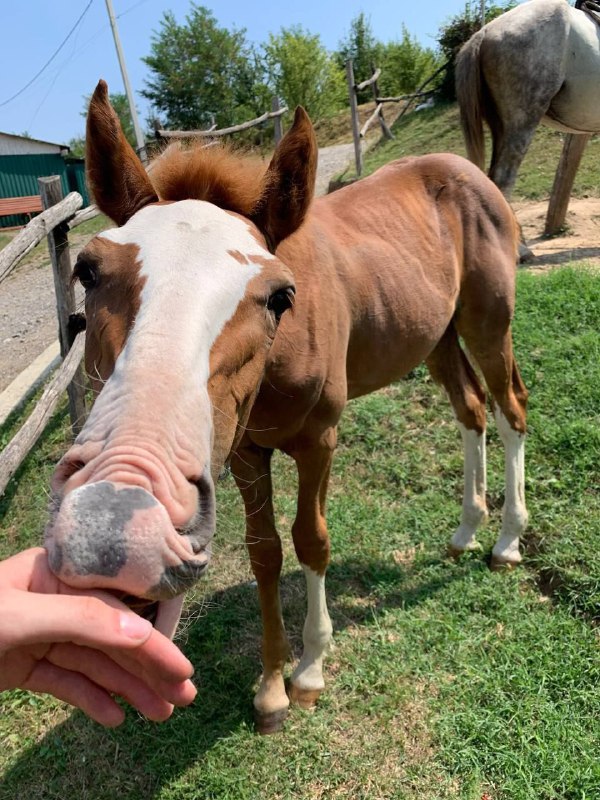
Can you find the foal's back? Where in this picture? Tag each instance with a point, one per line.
(381, 267)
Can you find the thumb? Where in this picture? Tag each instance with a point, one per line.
(47, 618)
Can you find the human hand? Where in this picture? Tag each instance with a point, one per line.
(83, 647)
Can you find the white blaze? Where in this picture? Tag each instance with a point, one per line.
(193, 285)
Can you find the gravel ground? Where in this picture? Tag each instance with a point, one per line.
(27, 311)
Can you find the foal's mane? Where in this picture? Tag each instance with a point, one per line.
(218, 174)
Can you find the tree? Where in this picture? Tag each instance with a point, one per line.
(303, 73)
(458, 30)
(405, 65)
(203, 74)
(365, 51)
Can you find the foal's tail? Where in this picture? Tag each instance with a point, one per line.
(469, 92)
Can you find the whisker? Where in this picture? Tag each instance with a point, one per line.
(243, 427)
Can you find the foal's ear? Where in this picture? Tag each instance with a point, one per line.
(289, 182)
(115, 175)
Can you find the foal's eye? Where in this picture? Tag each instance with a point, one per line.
(86, 273)
(280, 301)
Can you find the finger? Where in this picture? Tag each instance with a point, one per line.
(158, 656)
(157, 653)
(104, 672)
(76, 690)
(28, 570)
(60, 618)
(177, 691)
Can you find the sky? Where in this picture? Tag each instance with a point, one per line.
(50, 108)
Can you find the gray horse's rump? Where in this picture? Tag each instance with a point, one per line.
(538, 62)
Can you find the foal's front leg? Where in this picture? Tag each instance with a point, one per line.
(311, 542)
(251, 467)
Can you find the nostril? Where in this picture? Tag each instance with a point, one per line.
(65, 469)
(206, 494)
(201, 528)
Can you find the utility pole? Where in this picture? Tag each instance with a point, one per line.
(139, 136)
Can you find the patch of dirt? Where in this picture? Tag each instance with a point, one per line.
(580, 240)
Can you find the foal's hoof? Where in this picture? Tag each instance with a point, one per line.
(526, 256)
(500, 563)
(271, 722)
(455, 552)
(305, 698)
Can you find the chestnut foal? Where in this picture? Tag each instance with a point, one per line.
(198, 362)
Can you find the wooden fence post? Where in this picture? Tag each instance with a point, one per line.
(58, 246)
(277, 124)
(384, 126)
(570, 158)
(354, 116)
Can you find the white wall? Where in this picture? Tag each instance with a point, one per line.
(17, 145)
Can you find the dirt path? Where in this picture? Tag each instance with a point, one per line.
(27, 313)
(332, 161)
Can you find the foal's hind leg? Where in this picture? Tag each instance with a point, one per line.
(492, 349)
(311, 542)
(449, 366)
(509, 411)
(251, 467)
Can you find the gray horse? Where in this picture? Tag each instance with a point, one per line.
(539, 62)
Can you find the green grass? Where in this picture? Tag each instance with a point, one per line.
(437, 130)
(446, 680)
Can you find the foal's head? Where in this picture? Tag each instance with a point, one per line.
(183, 301)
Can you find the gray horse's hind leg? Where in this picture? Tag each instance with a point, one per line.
(508, 153)
(509, 150)
(523, 68)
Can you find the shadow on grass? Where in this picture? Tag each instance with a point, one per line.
(562, 256)
(79, 759)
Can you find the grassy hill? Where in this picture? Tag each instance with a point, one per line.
(437, 130)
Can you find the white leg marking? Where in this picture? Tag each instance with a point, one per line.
(474, 510)
(316, 635)
(514, 513)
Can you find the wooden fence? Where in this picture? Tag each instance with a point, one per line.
(359, 133)
(60, 215)
(572, 153)
(275, 114)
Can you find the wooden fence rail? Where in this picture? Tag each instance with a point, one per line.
(33, 233)
(370, 81)
(276, 114)
(83, 216)
(53, 223)
(17, 449)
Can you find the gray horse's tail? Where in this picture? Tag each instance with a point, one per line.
(469, 92)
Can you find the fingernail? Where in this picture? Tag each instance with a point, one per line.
(134, 626)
